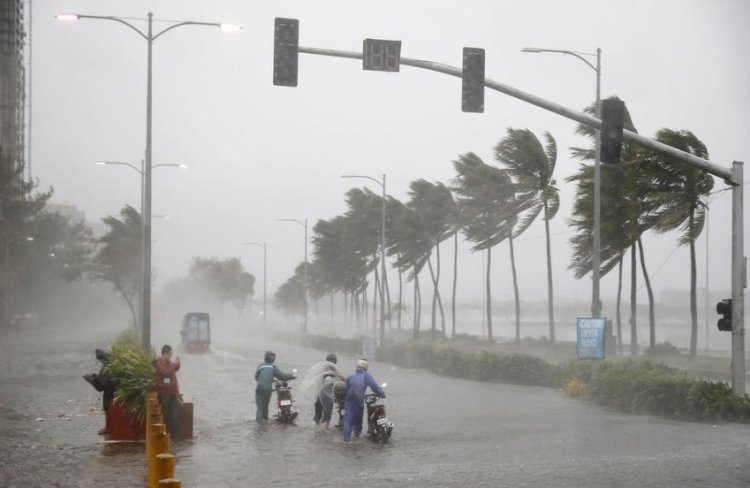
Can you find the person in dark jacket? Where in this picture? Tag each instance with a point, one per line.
(264, 375)
(168, 389)
(356, 385)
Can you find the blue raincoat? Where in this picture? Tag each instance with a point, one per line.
(354, 406)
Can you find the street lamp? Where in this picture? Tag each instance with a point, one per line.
(596, 304)
(382, 253)
(141, 172)
(263, 246)
(304, 269)
(149, 37)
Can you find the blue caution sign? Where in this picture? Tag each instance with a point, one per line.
(590, 338)
(369, 346)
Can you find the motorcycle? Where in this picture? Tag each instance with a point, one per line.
(284, 402)
(379, 428)
(339, 396)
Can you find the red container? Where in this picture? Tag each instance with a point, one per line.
(121, 425)
(186, 420)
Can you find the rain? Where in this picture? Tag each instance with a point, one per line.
(408, 183)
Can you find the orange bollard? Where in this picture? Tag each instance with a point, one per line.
(164, 466)
(172, 483)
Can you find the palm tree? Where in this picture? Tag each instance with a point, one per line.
(342, 265)
(486, 196)
(411, 245)
(118, 260)
(434, 206)
(531, 166)
(625, 205)
(681, 200)
(290, 297)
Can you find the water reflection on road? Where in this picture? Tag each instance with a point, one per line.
(448, 432)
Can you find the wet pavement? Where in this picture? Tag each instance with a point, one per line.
(447, 433)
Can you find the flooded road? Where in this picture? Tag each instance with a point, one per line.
(447, 432)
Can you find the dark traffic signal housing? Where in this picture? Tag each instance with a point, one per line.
(285, 51)
(472, 80)
(381, 55)
(724, 308)
(613, 121)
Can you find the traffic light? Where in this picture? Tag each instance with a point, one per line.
(724, 307)
(285, 51)
(472, 80)
(613, 120)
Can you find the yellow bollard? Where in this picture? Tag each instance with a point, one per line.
(159, 445)
(164, 466)
(172, 483)
(153, 418)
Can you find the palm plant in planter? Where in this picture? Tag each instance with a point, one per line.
(133, 372)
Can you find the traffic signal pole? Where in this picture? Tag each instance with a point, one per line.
(739, 281)
(732, 177)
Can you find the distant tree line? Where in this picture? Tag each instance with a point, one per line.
(43, 250)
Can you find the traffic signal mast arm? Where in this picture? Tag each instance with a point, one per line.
(726, 174)
(733, 177)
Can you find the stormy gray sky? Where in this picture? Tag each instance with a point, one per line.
(258, 153)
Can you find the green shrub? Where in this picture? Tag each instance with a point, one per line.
(451, 362)
(576, 368)
(133, 372)
(648, 387)
(633, 385)
(334, 344)
(662, 350)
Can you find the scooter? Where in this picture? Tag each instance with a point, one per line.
(339, 396)
(284, 402)
(379, 428)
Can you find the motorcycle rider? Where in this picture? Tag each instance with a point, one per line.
(264, 375)
(324, 402)
(356, 385)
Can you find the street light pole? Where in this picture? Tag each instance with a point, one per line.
(382, 252)
(263, 246)
(596, 304)
(142, 175)
(149, 37)
(304, 268)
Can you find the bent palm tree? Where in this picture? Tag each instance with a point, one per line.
(487, 201)
(681, 196)
(118, 260)
(531, 166)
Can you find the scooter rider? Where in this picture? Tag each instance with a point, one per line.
(356, 385)
(264, 375)
(324, 402)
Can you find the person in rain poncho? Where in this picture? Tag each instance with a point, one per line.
(356, 385)
(320, 381)
(264, 375)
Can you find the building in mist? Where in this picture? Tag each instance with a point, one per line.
(12, 79)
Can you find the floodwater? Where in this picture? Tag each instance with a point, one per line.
(447, 432)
